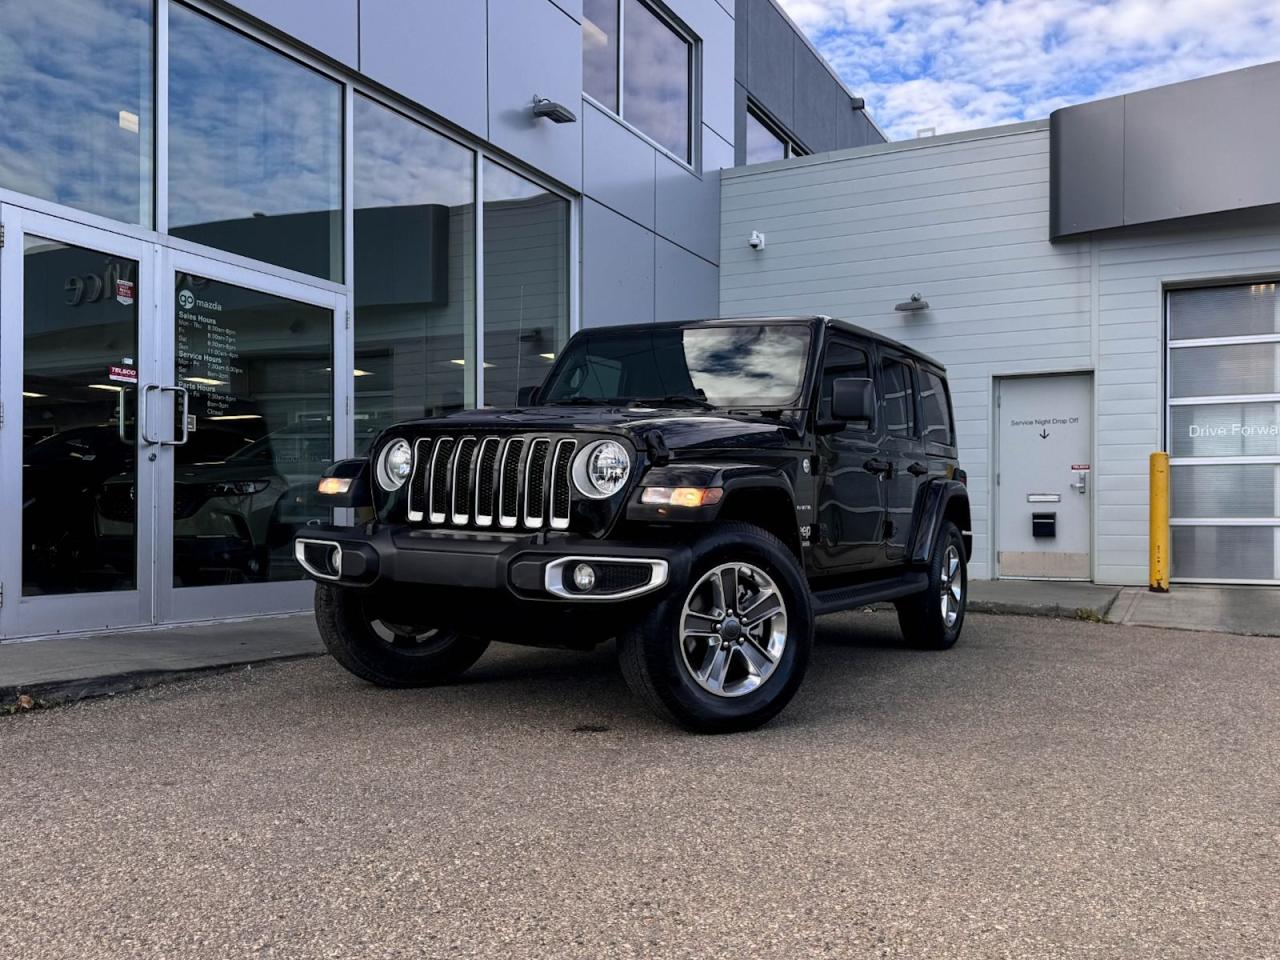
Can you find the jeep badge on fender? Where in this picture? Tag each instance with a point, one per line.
(698, 491)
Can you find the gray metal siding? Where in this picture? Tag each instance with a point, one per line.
(329, 26)
(964, 220)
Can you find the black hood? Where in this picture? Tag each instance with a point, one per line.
(683, 429)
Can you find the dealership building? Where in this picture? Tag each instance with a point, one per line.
(239, 239)
(1101, 286)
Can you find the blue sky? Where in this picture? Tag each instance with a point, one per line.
(960, 64)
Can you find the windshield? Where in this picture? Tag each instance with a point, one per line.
(740, 365)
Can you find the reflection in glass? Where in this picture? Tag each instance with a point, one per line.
(1225, 553)
(657, 68)
(742, 365)
(259, 371)
(255, 149)
(899, 398)
(76, 115)
(1236, 311)
(79, 431)
(414, 272)
(526, 283)
(763, 144)
(600, 51)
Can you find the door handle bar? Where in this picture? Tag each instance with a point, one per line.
(142, 415)
(883, 467)
(917, 469)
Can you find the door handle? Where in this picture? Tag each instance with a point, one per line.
(882, 467)
(917, 469)
(142, 415)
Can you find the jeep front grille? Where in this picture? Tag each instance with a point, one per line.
(479, 481)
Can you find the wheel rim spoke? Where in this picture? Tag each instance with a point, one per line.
(702, 623)
(764, 605)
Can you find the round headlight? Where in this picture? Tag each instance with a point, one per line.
(601, 469)
(395, 463)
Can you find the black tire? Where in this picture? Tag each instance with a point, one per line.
(403, 660)
(653, 658)
(920, 616)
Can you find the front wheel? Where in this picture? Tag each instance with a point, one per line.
(932, 619)
(727, 650)
(389, 654)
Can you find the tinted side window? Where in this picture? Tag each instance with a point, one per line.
(936, 410)
(899, 398)
(842, 360)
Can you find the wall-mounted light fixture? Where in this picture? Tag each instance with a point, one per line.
(916, 302)
(858, 103)
(756, 240)
(555, 112)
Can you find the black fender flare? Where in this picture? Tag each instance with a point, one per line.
(932, 504)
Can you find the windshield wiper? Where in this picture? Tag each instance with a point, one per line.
(578, 402)
(673, 400)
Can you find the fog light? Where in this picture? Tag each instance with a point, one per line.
(584, 578)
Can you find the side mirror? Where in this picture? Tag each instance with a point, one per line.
(854, 399)
(527, 397)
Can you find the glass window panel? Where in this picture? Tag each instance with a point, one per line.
(1205, 491)
(79, 411)
(937, 410)
(414, 272)
(763, 144)
(255, 149)
(1237, 311)
(600, 51)
(1225, 430)
(656, 70)
(899, 398)
(1226, 553)
(1235, 369)
(526, 283)
(259, 371)
(76, 104)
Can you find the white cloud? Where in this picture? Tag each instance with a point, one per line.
(960, 64)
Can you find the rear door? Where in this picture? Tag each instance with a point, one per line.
(850, 496)
(902, 448)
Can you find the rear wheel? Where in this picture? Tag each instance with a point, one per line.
(932, 619)
(728, 650)
(389, 654)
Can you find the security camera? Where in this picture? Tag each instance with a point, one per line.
(757, 240)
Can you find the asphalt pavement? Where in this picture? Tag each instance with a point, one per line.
(1047, 789)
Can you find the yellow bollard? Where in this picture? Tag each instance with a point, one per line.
(1160, 522)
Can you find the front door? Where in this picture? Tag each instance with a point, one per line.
(903, 451)
(249, 375)
(163, 419)
(77, 490)
(1044, 471)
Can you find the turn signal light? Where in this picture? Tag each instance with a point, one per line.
(334, 485)
(682, 496)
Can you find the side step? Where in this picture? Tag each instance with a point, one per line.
(865, 594)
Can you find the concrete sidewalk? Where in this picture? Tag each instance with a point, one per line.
(60, 669)
(1249, 611)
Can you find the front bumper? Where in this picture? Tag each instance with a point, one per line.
(522, 567)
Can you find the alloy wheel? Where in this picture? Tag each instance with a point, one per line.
(733, 629)
(951, 591)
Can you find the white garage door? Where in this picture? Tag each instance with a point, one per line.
(1224, 433)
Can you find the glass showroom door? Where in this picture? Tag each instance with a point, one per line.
(249, 364)
(77, 486)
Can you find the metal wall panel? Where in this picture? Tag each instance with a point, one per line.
(771, 60)
(686, 286)
(1176, 151)
(330, 26)
(817, 97)
(688, 206)
(432, 52)
(617, 268)
(535, 50)
(618, 166)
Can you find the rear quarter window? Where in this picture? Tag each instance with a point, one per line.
(936, 409)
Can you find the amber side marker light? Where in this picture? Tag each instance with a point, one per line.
(682, 496)
(334, 485)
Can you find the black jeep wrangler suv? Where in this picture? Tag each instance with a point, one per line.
(700, 491)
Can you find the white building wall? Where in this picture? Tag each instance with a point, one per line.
(964, 220)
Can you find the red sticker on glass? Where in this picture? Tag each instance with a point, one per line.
(124, 294)
(122, 374)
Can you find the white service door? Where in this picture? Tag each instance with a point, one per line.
(1045, 476)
